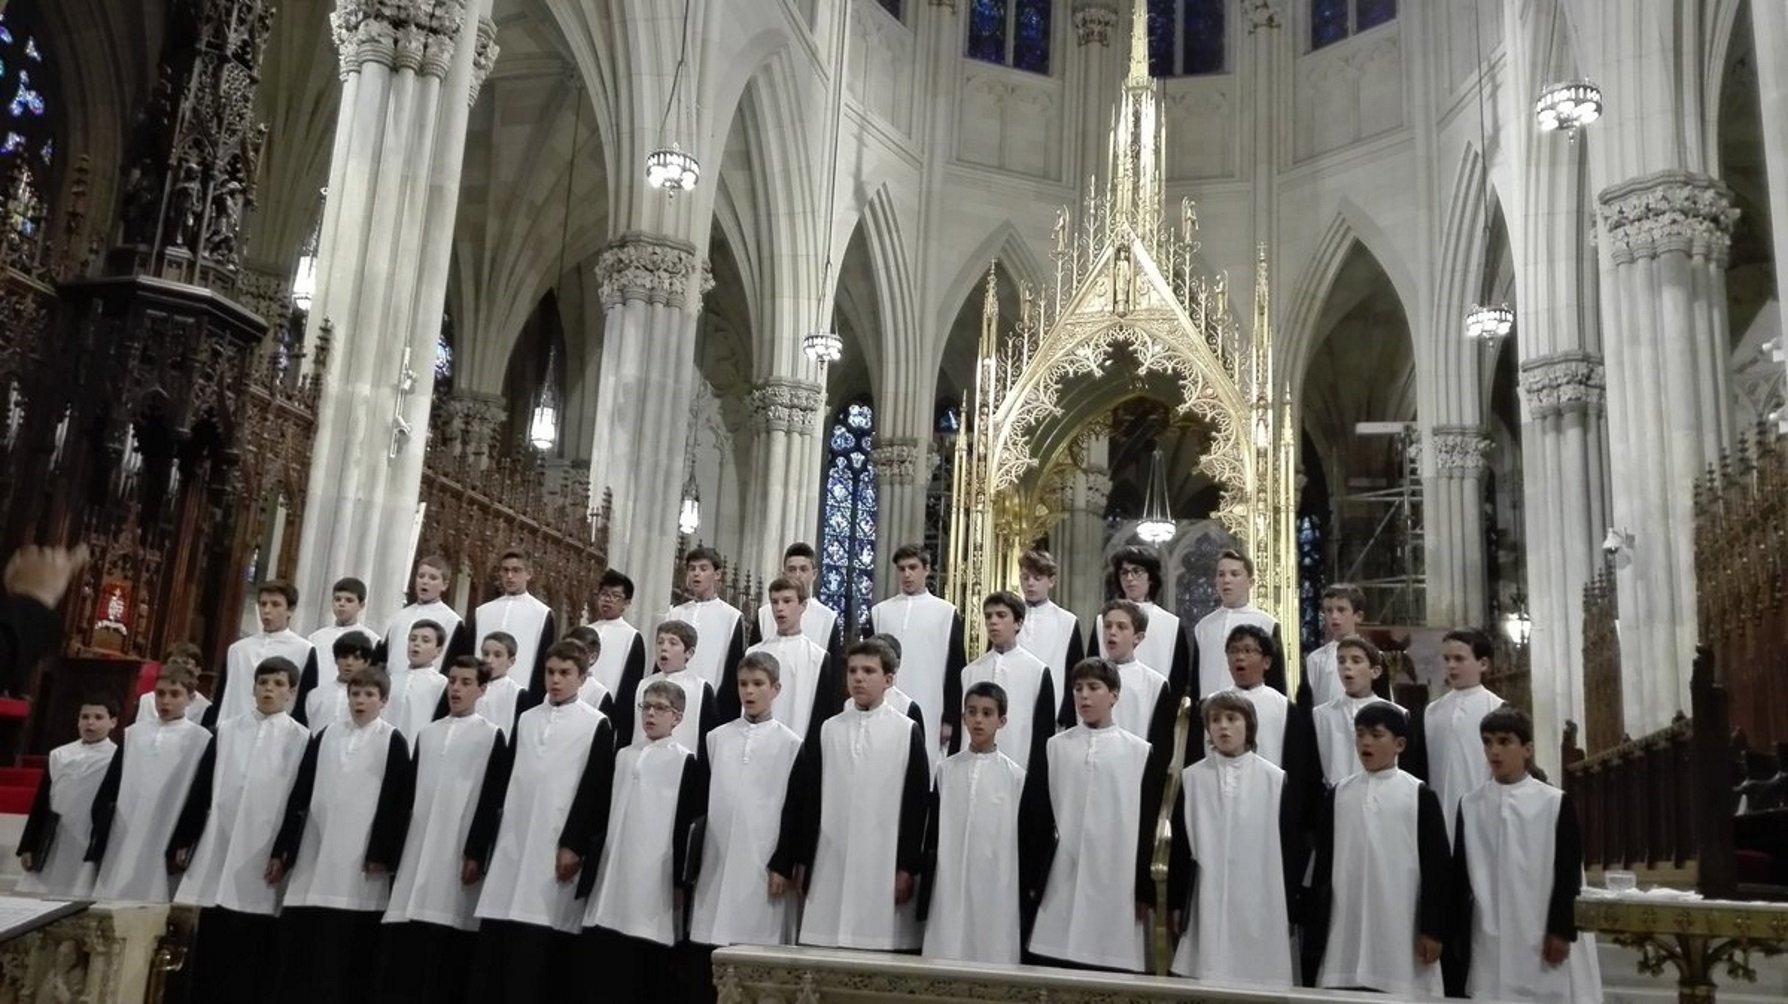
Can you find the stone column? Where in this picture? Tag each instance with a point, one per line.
(651, 288)
(1093, 75)
(1453, 525)
(1081, 586)
(472, 425)
(902, 473)
(783, 482)
(1565, 457)
(410, 71)
(1666, 237)
(1769, 25)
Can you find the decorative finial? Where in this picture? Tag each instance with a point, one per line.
(1139, 43)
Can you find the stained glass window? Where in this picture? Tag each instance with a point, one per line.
(892, 7)
(444, 357)
(27, 141)
(947, 424)
(1310, 582)
(1010, 32)
(847, 515)
(1333, 20)
(1187, 37)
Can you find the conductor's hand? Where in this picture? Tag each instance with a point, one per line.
(1428, 950)
(778, 886)
(42, 573)
(469, 872)
(567, 865)
(1556, 950)
(276, 870)
(903, 887)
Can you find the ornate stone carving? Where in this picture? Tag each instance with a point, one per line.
(1564, 381)
(264, 293)
(1459, 450)
(468, 423)
(1098, 490)
(484, 56)
(897, 459)
(783, 405)
(656, 270)
(417, 35)
(1258, 14)
(1668, 211)
(949, 5)
(1094, 21)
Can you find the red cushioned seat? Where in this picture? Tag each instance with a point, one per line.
(13, 708)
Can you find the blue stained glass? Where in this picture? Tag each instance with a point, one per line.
(1372, 13)
(5, 34)
(14, 143)
(1030, 41)
(987, 30)
(26, 99)
(31, 48)
(1310, 568)
(1161, 38)
(847, 523)
(1206, 37)
(1328, 22)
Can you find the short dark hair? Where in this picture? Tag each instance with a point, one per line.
(1094, 668)
(1510, 719)
(1354, 595)
(1039, 562)
(369, 676)
(800, 549)
(761, 662)
(875, 648)
(612, 579)
(428, 625)
(704, 553)
(784, 584)
(1480, 644)
(683, 631)
(106, 701)
(1142, 557)
(1231, 554)
(1364, 647)
(1139, 618)
(989, 690)
(1376, 713)
(502, 638)
(519, 555)
(892, 643)
(1229, 700)
(353, 644)
(349, 584)
(673, 694)
(907, 552)
(569, 649)
(1260, 636)
(1008, 599)
(278, 665)
(585, 637)
(286, 589)
(471, 662)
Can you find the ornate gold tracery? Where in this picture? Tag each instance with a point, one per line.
(1133, 310)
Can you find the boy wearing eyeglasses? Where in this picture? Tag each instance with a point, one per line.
(698, 712)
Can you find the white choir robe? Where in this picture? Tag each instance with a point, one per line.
(416, 696)
(1379, 869)
(871, 781)
(1334, 736)
(147, 784)
(358, 784)
(974, 915)
(1270, 711)
(699, 709)
(1210, 643)
(719, 640)
(254, 762)
(557, 748)
(749, 765)
(1139, 700)
(527, 620)
(1090, 793)
(195, 708)
(1322, 674)
(451, 758)
(323, 640)
(597, 696)
(234, 693)
(623, 654)
(895, 698)
(818, 623)
(498, 702)
(61, 824)
(326, 704)
(655, 799)
(1052, 635)
(392, 650)
(808, 681)
(930, 635)
(1162, 646)
(1030, 702)
(1518, 847)
(1238, 924)
(1452, 749)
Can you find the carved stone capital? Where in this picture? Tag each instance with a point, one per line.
(1094, 21)
(417, 35)
(1258, 14)
(1563, 382)
(263, 291)
(897, 459)
(484, 56)
(1098, 489)
(948, 5)
(652, 269)
(1668, 211)
(783, 405)
(1459, 450)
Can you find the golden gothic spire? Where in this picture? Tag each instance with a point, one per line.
(1136, 170)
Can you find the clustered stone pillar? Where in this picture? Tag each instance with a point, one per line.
(1769, 25)
(1563, 442)
(651, 288)
(781, 497)
(1095, 72)
(1453, 514)
(902, 472)
(1081, 586)
(1667, 235)
(410, 72)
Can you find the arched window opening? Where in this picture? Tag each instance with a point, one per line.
(28, 143)
(1011, 33)
(1187, 38)
(847, 516)
(1334, 20)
